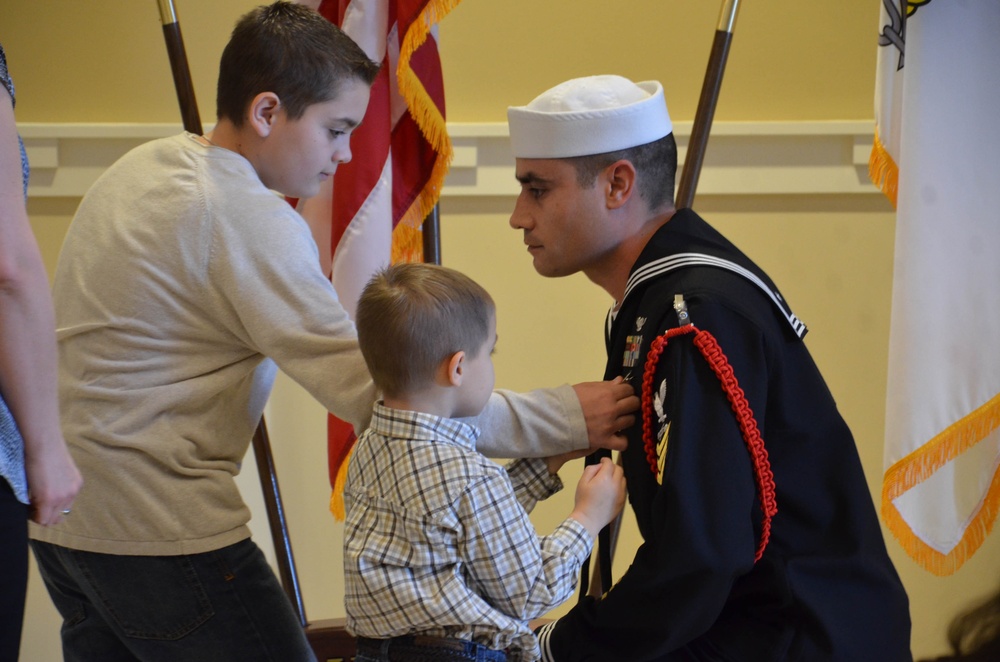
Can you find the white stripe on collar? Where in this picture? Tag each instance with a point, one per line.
(663, 265)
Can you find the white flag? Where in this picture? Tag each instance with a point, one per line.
(937, 156)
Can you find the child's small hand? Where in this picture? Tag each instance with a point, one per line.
(600, 495)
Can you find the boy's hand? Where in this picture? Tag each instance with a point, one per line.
(608, 408)
(600, 495)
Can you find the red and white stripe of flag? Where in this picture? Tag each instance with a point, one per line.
(401, 154)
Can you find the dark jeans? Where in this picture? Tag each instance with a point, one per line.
(425, 649)
(219, 606)
(13, 570)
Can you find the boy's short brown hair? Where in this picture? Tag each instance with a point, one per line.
(292, 51)
(411, 317)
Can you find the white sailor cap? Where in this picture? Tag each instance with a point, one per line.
(591, 115)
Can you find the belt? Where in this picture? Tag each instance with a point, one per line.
(422, 648)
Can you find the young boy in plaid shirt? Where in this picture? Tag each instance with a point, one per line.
(441, 560)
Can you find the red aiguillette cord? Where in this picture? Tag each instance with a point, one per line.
(710, 349)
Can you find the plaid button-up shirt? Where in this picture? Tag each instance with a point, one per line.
(438, 539)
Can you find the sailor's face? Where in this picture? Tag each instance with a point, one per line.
(563, 222)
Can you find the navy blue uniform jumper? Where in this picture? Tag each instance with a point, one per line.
(825, 588)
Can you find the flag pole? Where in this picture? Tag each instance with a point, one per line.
(600, 578)
(179, 67)
(706, 104)
(431, 236)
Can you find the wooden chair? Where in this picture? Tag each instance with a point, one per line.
(329, 638)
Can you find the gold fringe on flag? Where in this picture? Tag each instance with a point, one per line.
(424, 111)
(883, 171)
(919, 465)
(407, 244)
(337, 497)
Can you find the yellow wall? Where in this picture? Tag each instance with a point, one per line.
(104, 61)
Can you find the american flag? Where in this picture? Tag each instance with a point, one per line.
(401, 154)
